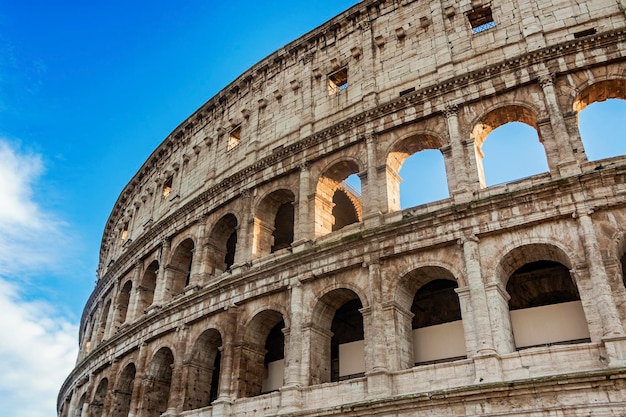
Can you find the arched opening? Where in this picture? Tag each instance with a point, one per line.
(178, 272)
(78, 412)
(223, 244)
(338, 337)
(544, 302)
(159, 380)
(337, 202)
(514, 149)
(122, 302)
(601, 109)
(96, 408)
(104, 314)
(123, 392)
(145, 292)
(437, 327)
(416, 172)
(262, 355)
(203, 371)
(273, 223)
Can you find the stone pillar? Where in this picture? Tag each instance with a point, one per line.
(226, 389)
(468, 320)
(110, 327)
(567, 162)
(139, 382)
(370, 186)
(486, 363)
(500, 317)
(109, 396)
(368, 65)
(611, 324)
(177, 393)
(307, 91)
(198, 274)
(133, 303)
(462, 152)
(245, 234)
(293, 365)
(302, 223)
(161, 279)
(399, 332)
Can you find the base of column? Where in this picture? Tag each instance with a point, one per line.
(290, 399)
(221, 407)
(615, 347)
(379, 383)
(487, 368)
(301, 245)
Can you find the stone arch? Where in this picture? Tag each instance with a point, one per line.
(178, 271)
(102, 322)
(223, 244)
(123, 300)
(82, 402)
(337, 337)
(544, 302)
(145, 291)
(96, 407)
(273, 222)
(262, 354)
(598, 91)
(496, 117)
(336, 204)
(123, 392)
(399, 151)
(432, 316)
(156, 390)
(203, 370)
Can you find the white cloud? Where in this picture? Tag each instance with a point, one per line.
(37, 344)
(30, 238)
(38, 350)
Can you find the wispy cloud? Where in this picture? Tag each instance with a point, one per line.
(38, 345)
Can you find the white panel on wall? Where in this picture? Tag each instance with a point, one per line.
(437, 342)
(352, 358)
(549, 324)
(275, 376)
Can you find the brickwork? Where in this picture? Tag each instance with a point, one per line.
(199, 267)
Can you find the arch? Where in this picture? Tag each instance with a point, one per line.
(273, 223)
(223, 243)
(262, 354)
(398, 154)
(203, 370)
(337, 337)
(496, 118)
(178, 271)
(145, 291)
(102, 323)
(123, 392)
(591, 105)
(544, 303)
(96, 408)
(78, 412)
(156, 391)
(123, 299)
(435, 333)
(334, 197)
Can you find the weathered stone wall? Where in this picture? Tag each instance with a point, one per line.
(188, 263)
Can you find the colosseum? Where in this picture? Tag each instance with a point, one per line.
(241, 275)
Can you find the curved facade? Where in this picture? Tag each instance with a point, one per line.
(241, 275)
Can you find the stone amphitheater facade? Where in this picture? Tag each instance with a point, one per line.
(240, 275)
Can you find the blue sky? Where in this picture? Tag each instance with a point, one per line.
(87, 91)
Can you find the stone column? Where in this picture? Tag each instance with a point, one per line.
(198, 273)
(139, 382)
(567, 162)
(110, 327)
(371, 187)
(368, 65)
(307, 91)
(245, 234)
(486, 362)
(302, 227)
(500, 317)
(293, 365)
(177, 393)
(226, 389)
(161, 279)
(468, 320)
(133, 303)
(464, 179)
(611, 324)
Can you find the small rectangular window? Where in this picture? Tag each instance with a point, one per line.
(125, 232)
(234, 137)
(167, 186)
(481, 19)
(337, 81)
